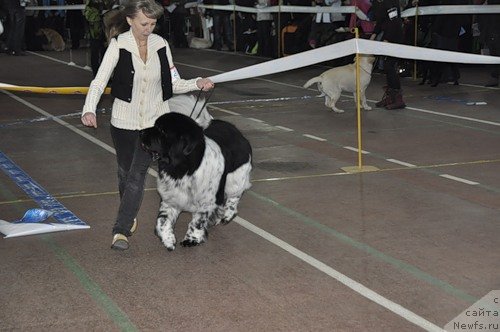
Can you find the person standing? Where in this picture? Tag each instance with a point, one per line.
(389, 28)
(489, 26)
(93, 12)
(17, 22)
(144, 78)
(222, 27)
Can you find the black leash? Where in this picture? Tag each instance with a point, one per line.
(204, 104)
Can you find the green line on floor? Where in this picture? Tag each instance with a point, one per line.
(114, 312)
(413, 270)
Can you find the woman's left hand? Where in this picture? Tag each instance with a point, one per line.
(205, 84)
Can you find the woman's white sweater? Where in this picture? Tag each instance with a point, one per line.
(147, 102)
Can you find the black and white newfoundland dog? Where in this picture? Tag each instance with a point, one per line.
(202, 171)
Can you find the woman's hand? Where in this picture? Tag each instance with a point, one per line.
(205, 84)
(89, 120)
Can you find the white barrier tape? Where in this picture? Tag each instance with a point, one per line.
(66, 7)
(427, 10)
(348, 47)
(455, 9)
(303, 59)
(288, 9)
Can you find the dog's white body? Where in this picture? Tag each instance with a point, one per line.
(186, 104)
(333, 81)
(196, 194)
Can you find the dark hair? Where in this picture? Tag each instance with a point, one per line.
(150, 8)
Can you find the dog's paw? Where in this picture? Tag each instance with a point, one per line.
(168, 240)
(190, 243)
(367, 108)
(228, 218)
(191, 240)
(336, 110)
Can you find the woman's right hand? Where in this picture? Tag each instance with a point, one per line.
(89, 120)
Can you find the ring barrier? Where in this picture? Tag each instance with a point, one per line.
(48, 90)
(353, 46)
(348, 47)
(425, 10)
(307, 58)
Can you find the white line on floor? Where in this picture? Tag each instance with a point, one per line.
(451, 177)
(454, 116)
(314, 137)
(284, 128)
(60, 61)
(70, 127)
(399, 162)
(256, 120)
(356, 149)
(352, 284)
(222, 110)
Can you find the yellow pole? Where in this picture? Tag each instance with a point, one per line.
(50, 90)
(358, 106)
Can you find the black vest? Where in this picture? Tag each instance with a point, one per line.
(123, 76)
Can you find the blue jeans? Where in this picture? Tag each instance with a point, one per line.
(133, 163)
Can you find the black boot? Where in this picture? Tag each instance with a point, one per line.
(396, 98)
(385, 98)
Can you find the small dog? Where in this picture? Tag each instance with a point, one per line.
(204, 172)
(333, 81)
(55, 41)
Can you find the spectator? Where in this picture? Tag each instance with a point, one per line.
(93, 14)
(221, 25)
(264, 26)
(355, 22)
(324, 25)
(75, 24)
(489, 26)
(54, 19)
(446, 30)
(17, 22)
(389, 28)
(178, 14)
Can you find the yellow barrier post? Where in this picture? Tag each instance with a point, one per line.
(49, 90)
(360, 167)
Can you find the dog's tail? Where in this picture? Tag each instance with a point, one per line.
(313, 80)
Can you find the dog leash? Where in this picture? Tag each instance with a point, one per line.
(204, 104)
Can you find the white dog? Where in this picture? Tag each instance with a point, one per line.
(333, 81)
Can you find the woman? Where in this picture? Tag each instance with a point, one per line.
(144, 79)
(390, 27)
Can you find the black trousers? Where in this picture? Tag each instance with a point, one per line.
(133, 163)
(97, 51)
(493, 43)
(17, 22)
(391, 73)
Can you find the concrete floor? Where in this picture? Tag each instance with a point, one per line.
(405, 248)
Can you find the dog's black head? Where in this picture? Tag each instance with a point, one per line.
(178, 143)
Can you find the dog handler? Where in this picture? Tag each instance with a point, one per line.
(389, 25)
(144, 79)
